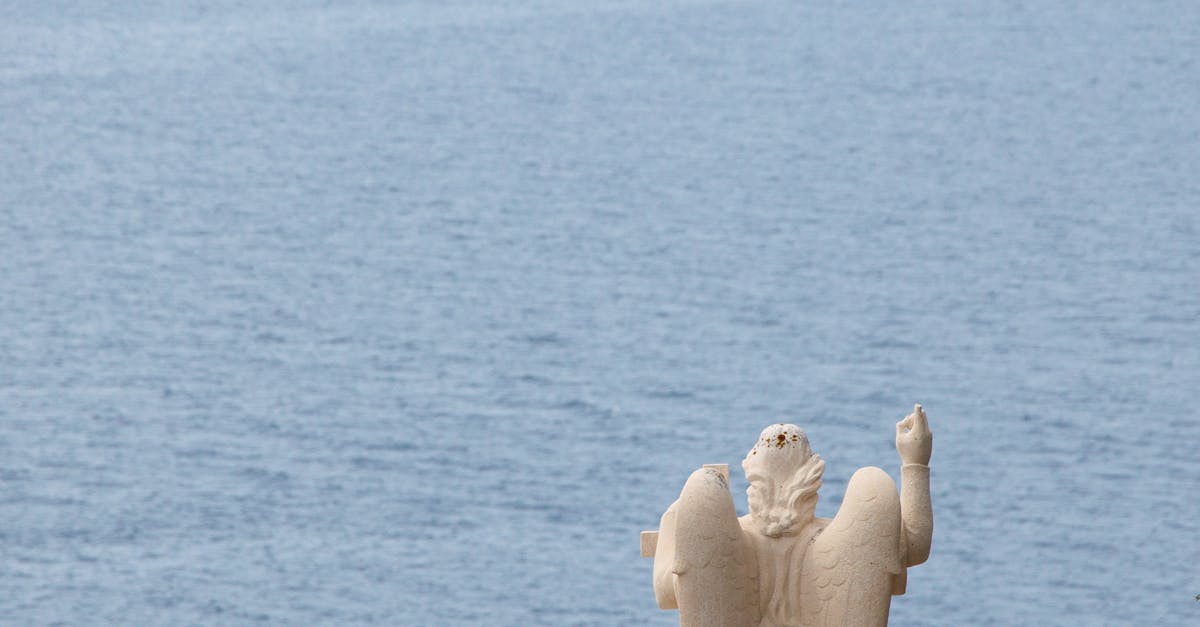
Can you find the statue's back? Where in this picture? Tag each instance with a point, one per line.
(780, 566)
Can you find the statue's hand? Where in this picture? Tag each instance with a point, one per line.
(914, 440)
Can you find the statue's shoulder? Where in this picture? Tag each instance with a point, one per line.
(817, 527)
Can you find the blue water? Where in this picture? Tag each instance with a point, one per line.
(417, 313)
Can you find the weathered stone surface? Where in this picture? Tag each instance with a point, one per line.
(780, 566)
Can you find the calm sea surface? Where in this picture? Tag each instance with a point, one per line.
(417, 313)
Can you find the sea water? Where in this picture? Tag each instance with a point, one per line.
(417, 313)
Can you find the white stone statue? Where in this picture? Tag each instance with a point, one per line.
(780, 566)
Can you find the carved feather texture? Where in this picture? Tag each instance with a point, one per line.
(848, 569)
(716, 567)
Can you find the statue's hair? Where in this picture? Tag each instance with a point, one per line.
(791, 473)
(805, 481)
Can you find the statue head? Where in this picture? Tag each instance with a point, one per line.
(784, 476)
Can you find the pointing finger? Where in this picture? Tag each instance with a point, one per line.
(920, 420)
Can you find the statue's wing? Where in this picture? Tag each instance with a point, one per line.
(714, 564)
(849, 569)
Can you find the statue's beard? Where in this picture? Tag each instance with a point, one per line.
(780, 520)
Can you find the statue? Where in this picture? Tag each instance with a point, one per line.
(780, 566)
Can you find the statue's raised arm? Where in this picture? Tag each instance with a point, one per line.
(914, 442)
